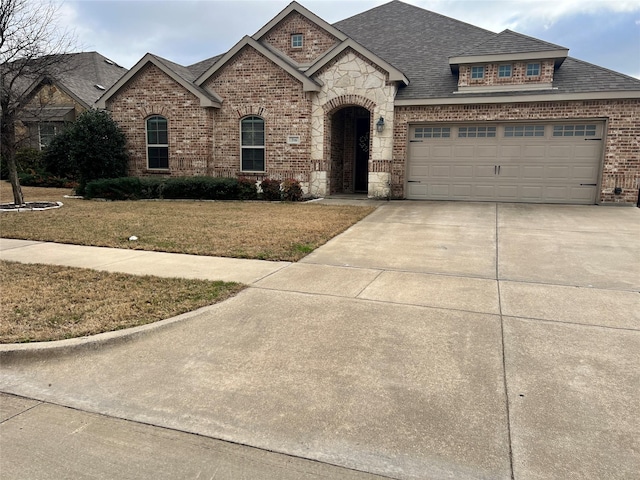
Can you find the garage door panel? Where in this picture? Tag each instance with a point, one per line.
(534, 162)
(440, 171)
(462, 171)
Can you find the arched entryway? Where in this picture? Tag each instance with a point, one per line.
(350, 147)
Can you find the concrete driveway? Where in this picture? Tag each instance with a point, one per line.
(430, 340)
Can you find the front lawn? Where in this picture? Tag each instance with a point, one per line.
(260, 230)
(46, 302)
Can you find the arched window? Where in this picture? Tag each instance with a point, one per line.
(157, 143)
(252, 144)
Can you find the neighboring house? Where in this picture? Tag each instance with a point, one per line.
(396, 101)
(78, 81)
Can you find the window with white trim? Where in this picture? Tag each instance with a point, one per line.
(252, 144)
(524, 131)
(157, 143)
(477, 73)
(297, 40)
(533, 70)
(504, 71)
(574, 130)
(476, 132)
(46, 132)
(432, 132)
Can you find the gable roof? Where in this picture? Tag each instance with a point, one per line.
(296, 7)
(395, 75)
(83, 76)
(182, 75)
(308, 85)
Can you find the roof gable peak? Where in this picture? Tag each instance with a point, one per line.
(309, 15)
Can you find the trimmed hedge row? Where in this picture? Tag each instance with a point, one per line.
(195, 188)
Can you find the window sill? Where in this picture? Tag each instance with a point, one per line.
(157, 171)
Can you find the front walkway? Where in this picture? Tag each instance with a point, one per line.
(430, 340)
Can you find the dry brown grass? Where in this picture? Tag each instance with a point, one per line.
(268, 231)
(43, 302)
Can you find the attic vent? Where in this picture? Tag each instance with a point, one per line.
(106, 60)
(99, 87)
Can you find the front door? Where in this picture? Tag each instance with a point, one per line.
(362, 155)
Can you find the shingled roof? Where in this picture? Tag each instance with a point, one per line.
(507, 42)
(419, 43)
(83, 74)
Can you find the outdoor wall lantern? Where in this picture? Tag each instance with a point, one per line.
(380, 125)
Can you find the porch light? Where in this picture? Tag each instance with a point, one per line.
(380, 125)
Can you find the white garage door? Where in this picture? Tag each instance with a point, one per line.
(536, 163)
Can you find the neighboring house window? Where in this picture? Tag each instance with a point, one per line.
(157, 143)
(252, 144)
(533, 69)
(504, 71)
(477, 72)
(296, 40)
(46, 132)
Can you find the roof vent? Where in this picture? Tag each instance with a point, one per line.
(106, 60)
(99, 87)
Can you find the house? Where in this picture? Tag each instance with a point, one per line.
(75, 83)
(457, 113)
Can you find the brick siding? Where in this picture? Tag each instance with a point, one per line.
(622, 148)
(152, 92)
(316, 40)
(518, 74)
(250, 84)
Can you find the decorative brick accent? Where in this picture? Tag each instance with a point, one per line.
(348, 100)
(622, 148)
(316, 41)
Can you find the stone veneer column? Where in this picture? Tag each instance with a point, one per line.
(350, 81)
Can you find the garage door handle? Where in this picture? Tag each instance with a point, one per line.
(592, 139)
(415, 141)
(588, 184)
(413, 181)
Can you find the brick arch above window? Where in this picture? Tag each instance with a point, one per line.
(252, 110)
(347, 101)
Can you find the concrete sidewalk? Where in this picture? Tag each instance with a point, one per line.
(430, 340)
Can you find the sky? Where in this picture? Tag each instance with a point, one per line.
(603, 32)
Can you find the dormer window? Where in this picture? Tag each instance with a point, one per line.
(477, 73)
(504, 71)
(297, 40)
(533, 69)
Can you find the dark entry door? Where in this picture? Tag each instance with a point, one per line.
(362, 155)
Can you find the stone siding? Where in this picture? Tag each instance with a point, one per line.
(622, 148)
(351, 80)
(152, 92)
(316, 41)
(250, 84)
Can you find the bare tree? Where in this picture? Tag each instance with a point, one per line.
(32, 45)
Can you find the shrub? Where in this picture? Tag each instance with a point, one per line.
(291, 190)
(57, 159)
(270, 189)
(203, 188)
(44, 179)
(126, 188)
(27, 159)
(247, 189)
(96, 147)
